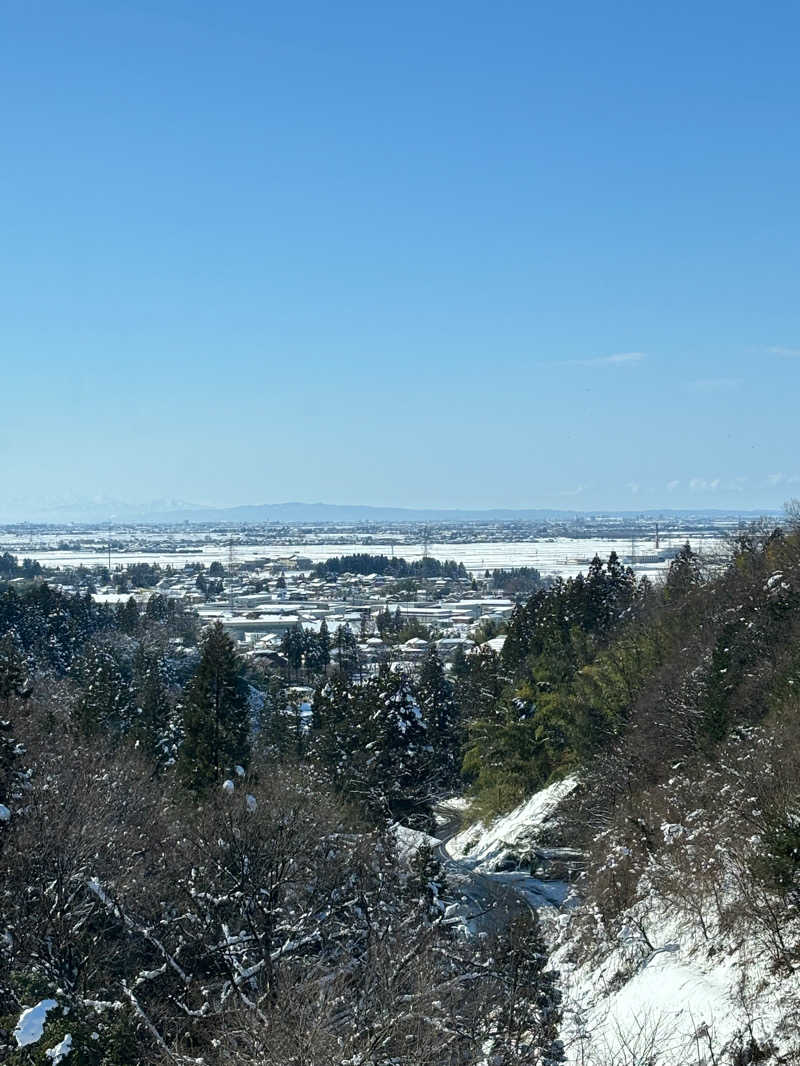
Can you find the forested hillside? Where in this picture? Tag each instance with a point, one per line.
(195, 868)
(190, 875)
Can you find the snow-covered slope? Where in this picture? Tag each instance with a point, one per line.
(486, 848)
(672, 998)
(657, 990)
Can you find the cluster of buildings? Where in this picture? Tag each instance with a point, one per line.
(448, 611)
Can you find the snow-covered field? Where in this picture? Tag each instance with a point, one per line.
(563, 555)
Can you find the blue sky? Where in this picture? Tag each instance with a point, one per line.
(447, 255)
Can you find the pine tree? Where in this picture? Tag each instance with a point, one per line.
(104, 702)
(683, 575)
(216, 721)
(128, 616)
(337, 728)
(435, 698)
(151, 721)
(396, 756)
(13, 671)
(324, 646)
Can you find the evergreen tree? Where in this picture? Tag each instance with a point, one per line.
(435, 698)
(293, 646)
(324, 646)
(216, 722)
(346, 651)
(683, 574)
(128, 616)
(396, 757)
(104, 702)
(156, 609)
(338, 728)
(152, 718)
(13, 670)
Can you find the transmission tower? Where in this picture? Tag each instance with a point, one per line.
(426, 539)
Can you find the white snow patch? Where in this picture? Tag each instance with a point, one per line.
(409, 841)
(31, 1022)
(685, 1000)
(228, 786)
(5, 813)
(485, 846)
(60, 1051)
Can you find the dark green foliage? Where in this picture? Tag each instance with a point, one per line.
(128, 616)
(517, 582)
(152, 725)
(683, 575)
(52, 627)
(363, 563)
(345, 651)
(137, 575)
(13, 668)
(216, 717)
(397, 628)
(778, 863)
(435, 698)
(104, 704)
(10, 568)
(374, 742)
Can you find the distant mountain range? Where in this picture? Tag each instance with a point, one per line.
(176, 512)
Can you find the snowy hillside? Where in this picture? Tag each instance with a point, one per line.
(658, 990)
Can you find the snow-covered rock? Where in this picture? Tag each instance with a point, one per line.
(485, 847)
(409, 841)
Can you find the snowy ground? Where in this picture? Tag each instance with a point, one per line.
(678, 1000)
(670, 998)
(563, 555)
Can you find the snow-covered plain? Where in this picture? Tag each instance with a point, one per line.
(566, 556)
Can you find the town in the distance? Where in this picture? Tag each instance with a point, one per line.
(382, 593)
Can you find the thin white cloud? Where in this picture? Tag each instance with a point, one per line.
(774, 480)
(701, 484)
(572, 492)
(617, 359)
(672, 485)
(786, 353)
(715, 384)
